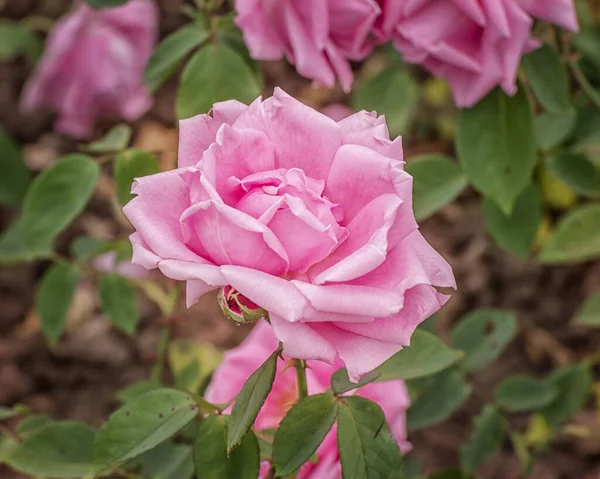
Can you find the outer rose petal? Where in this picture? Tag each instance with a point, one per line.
(359, 353)
(197, 133)
(302, 341)
(276, 295)
(155, 213)
(367, 129)
(420, 302)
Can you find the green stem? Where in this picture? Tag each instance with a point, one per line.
(585, 85)
(301, 376)
(163, 343)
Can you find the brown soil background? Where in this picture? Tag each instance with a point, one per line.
(78, 378)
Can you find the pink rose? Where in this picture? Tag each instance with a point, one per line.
(93, 65)
(475, 44)
(318, 36)
(239, 363)
(307, 218)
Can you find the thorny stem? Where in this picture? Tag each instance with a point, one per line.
(301, 376)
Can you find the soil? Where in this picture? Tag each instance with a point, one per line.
(78, 378)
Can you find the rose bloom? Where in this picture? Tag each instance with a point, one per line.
(307, 218)
(93, 65)
(319, 37)
(239, 363)
(475, 44)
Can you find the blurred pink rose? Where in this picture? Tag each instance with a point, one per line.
(107, 263)
(318, 36)
(93, 65)
(239, 363)
(337, 111)
(307, 218)
(475, 44)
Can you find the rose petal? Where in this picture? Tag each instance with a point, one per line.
(276, 295)
(230, 236)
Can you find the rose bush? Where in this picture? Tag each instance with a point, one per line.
(307, 218)
(93, 65)
(476, 45)
(318, 37)
(239, 363)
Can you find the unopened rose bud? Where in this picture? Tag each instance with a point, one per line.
(239, 308)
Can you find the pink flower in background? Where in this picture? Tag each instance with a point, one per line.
(319, 37)
(475, 44)
(337, 111)
(307, 218)
(239, 363)
(93, 65)
(107, 263)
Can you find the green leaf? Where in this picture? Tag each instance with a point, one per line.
(437, 181)
(496, 146)
(210, 452)
(142, 424)
(215, 73)
(425, 356)
(115, 140)
(548, 78)
(340, 382)
(54, 296)
(515, 232)
(367, 447)
(524, 393)
(302, 431)
(16, 39)
(129, 165)
(7, 445)
(483, 335)
(490, 429)
(577, 171)
(192, 362)
(576, 239)
(230, 35)
(84, 248)
(171, 52)
(589, 313)
(32, 424)
(133, 391)
(446, 393)
(59, 450)
(168, 461)
(17, 246)
(15, 176)
(574, 384)
(392, 93)
(119, 302)
(250, 400)
(58, 195)
(553, 128)
(105, 3)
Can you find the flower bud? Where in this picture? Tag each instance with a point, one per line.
(239, 308)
